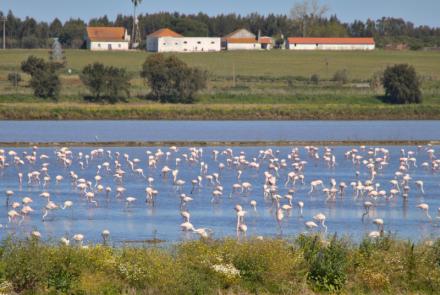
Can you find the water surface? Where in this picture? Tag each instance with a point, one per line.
(141, 221)
(150, 131)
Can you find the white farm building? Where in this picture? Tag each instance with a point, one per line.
(166, 40)
(107, 38)
(242, 39)
(330, 44)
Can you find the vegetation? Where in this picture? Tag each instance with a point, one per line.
(341, 76)
(307, 20)
(171, 80)
(305, 265)
(44, 77)
(14, 78)
(402, 85)
(106, 83)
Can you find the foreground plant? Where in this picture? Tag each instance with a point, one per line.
(305, 265)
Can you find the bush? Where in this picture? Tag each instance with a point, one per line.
(341, 76)
(44, 77)
(376, 80)
(315, 79)
(402, 85)
(171, 80)
(106, 83)
(14, 78)
(327, 262)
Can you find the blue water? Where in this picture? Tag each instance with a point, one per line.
(141, 221)
(105, 131)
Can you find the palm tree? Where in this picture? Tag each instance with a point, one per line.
(133, 32)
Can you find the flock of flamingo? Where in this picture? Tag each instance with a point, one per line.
(266, 177)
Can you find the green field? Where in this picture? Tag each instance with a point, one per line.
(361, 65)
(268, 85)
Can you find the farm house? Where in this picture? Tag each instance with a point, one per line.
(107, 38)
(330, 44)
(166, 40)
(242, 39)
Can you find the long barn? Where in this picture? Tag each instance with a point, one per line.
(331, 44)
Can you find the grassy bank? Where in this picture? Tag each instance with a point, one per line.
(305, 265)
(72, 111)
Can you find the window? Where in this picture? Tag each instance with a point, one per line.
(212, 42)
(164, 44)
(185, 42)
(176, 43)
(119, 45)
(99, 45)
(199, 42)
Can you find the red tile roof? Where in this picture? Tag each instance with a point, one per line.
(106, 33)
(265, 40)
(369, 41)
(165, 33)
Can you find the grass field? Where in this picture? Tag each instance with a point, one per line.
(269, 85)
(360, 65)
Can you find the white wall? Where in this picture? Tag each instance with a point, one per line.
(331, 47)
(101, 46)
(243, 46)
(183, 44)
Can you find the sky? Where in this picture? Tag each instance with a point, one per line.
(420, 12)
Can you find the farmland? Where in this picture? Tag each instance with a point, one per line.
(267, 85)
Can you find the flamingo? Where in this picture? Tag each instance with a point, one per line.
(425, 208)
(320, 217)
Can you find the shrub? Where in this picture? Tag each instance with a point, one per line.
(341, 76)
(402, 84)
(14, 78)
(44, 77)
(106, 83)
(171, 80)
(315, 79)
(376, 80)
(327, 262)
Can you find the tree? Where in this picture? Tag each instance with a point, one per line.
(73, 33)
(306, 13)
(44, 77)
(402, 84)
(171, 80)
(105, 83)
(55, 28)
(14, 78)
(191, 28)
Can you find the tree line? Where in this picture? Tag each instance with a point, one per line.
(387, 31)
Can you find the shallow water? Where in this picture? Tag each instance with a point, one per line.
(140, 221)
(106, 131)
